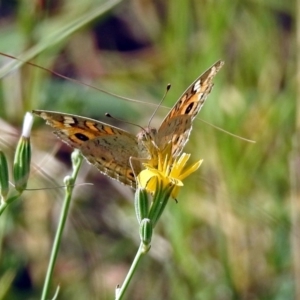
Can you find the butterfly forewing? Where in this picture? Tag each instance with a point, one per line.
(177, 125)
(108, 148)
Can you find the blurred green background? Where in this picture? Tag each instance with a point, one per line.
(234, 233)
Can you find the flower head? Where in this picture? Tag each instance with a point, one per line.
(168, 172)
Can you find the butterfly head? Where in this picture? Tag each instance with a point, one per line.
(147, 140)
(147, 135)
(147, 143)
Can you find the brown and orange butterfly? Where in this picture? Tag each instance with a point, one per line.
(110, 149)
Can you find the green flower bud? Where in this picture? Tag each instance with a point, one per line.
(141, 204)
(21, 168)
(4, 181)
(22, 159)
(68, 181)
(146, 231)
(76, 157)
(160, 200)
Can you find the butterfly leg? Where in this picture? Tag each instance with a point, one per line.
(135, 165)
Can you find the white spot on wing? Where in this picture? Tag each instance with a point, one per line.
(68, 120)
(197, 86)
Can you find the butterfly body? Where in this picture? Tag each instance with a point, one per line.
(118, 153)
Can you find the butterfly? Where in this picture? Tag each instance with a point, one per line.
(111, 149)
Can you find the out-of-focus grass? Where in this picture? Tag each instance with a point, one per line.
(229, 235)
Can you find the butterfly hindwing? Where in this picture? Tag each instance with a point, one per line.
(116, 163)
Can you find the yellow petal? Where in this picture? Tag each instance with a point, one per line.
(191, 169)
(144, 177)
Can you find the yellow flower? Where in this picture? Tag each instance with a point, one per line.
(168, 172)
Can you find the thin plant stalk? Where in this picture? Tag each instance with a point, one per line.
(295, 173)
(121, 291)
(3, 206)
(69, 181)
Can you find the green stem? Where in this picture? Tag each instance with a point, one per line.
(62, 221)
(120, 292)
(3, 205)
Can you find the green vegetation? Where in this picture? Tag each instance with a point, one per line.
(234, 233)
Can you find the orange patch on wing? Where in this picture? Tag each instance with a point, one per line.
(108, 130)
(91, 125)
(57, 124)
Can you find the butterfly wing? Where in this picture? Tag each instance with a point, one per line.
(111, 156)
(177, 125)
(108, 148)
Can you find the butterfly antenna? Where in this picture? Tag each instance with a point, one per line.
(159, 104)
(227, 132)
(75, 80)
(123, 121)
